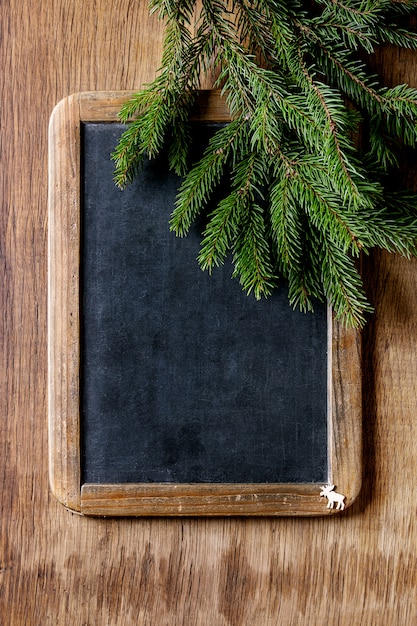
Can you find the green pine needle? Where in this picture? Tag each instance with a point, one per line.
(303, 196)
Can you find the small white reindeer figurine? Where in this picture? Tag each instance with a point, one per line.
(333, 497)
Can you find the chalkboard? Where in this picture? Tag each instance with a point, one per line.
(187, 396)
(210, 384)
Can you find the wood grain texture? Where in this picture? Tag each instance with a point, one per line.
(64, 302)
(344, 375)
(59, 568)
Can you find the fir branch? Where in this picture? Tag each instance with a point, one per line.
(219, 233)
(197, 187)
(396, 36)
(252, 255)
(286, 223)
(342, 285)
(303, 200)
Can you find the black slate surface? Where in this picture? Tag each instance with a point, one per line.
(184, 377)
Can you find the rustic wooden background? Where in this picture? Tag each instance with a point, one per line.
(359, 568)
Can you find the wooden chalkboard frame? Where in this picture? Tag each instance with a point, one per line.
(64, 360)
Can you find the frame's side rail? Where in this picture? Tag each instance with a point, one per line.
(345, 436)
(63, 302)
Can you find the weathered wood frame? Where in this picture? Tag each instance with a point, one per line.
(64, 246)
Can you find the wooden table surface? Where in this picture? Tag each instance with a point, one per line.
(359, 568)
